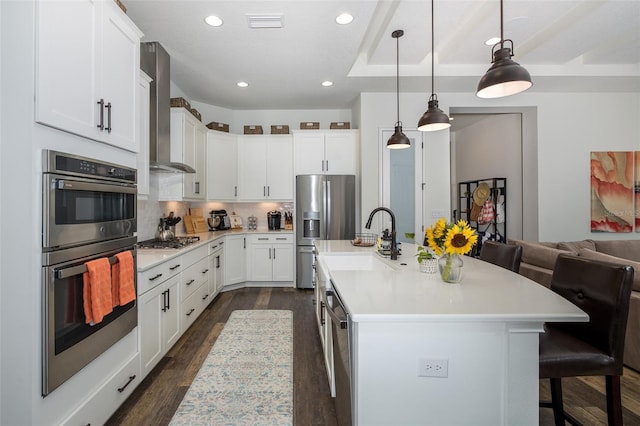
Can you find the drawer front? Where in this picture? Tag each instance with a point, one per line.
(109, 397)
(216, 245)
(270, 238)
(192, 256)
(194, 276)
(193, 306)
(158, 274)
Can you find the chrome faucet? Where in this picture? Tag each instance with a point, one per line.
(394, 245)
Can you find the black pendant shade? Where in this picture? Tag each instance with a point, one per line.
(505, 77)
(434, 119)
(398, 140)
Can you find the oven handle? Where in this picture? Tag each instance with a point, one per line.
(61, 274)
(93, 186)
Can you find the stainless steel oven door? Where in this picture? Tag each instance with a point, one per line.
(80, 211)
(69, 344)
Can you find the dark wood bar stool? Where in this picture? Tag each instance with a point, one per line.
(593, 348)
(506, 255)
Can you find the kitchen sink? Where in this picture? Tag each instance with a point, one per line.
(355, 262)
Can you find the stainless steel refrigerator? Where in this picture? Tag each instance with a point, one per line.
(325, 210)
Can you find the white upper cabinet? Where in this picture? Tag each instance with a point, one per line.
(188, 146)
(87, 65)
(265, 170)
(332, 152)
(222, 166)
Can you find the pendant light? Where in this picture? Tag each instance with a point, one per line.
(505, 77)
(434, 118)
(398, 140)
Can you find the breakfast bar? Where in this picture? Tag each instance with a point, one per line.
(422, 351)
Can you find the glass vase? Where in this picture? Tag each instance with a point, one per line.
(450, 267)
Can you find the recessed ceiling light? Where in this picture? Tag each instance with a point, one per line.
(213, 20)
(344, 18)
(242, 84)
(327, 83)
(492, 41)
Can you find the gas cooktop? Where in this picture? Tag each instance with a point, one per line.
(174, 243)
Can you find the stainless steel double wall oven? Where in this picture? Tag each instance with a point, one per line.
(89, 211)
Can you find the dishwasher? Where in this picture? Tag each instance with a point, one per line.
(340, 329)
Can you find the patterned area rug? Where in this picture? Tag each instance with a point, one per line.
(247, 378)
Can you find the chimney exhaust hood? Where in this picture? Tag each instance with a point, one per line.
(155, 62)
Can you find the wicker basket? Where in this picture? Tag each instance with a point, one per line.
(252, 130)
(180, 103)
(196, 114)
(364, 240)
(310, 125)
(340, 125)
(280, 129)
(221, 127)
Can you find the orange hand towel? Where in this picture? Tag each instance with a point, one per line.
(97, 290)
(123, 278)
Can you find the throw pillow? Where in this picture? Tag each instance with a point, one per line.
(575, 246)
(590, 254)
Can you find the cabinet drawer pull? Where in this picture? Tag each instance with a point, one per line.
(131, 379)
(155, 278)
(214, 247)
(263, 239)
(281, 238)
(205, 271)
(205, 296)
(174, 267)
(190, 282)
(190, 311)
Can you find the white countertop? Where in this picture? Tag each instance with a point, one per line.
(487, 292)
(148, 258)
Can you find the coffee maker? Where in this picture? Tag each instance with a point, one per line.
(274, 220)
(218, 220)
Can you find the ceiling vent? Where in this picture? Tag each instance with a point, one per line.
(265, 20)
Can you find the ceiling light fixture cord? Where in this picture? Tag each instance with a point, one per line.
(398, 140)
(434, 118)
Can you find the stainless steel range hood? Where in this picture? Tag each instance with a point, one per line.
(155, 61)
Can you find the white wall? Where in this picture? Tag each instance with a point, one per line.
(570, 126)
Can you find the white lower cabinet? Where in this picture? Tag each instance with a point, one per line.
(216, 266)
(195, 286)
(270, 257)
(116, 389)
(235, 266)
(158, 312)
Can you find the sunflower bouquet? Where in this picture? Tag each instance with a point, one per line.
(447, 239)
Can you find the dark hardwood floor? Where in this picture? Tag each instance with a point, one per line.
(160, 393)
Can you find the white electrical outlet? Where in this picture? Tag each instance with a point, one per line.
(433, 367)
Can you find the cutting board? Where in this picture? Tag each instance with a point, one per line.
(199, 224)
(188, 224)
(196, 211)
(236, 222)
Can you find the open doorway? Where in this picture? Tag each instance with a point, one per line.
(492, 142)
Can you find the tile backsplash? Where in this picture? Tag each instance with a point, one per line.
(150, 211)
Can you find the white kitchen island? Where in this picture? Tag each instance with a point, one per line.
(484, 331)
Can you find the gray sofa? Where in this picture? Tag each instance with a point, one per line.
(538, 260)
